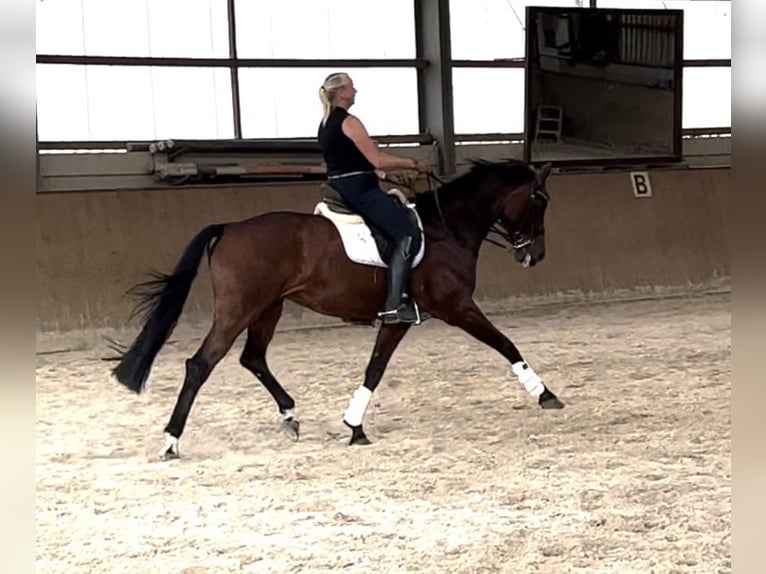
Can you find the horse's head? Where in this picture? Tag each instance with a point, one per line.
(523, 217)
(508, 198)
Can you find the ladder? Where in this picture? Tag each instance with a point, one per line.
(549, 119)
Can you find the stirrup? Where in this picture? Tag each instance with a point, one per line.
(386, 316)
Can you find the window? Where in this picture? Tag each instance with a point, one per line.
(339, 29)
(707, 35)
(182, 28)
(488, 100)
(707, 29)
(130, 102)
(284, 102)
(707, 24)
(707, 98)
(491, 29)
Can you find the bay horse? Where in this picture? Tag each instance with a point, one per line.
(258, 263)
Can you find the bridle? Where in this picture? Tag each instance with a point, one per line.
(514, 238)
(523, 234)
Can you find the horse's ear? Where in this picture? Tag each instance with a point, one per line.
(544, 172)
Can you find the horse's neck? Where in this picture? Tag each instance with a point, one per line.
(473, 218)
(468, 222)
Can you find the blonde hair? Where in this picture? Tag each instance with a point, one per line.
(328, 90)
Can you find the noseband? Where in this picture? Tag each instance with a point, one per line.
(539, 199)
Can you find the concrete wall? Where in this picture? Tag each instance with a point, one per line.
(601, 238)
(92, 246)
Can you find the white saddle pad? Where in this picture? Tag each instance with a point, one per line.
(357, 238)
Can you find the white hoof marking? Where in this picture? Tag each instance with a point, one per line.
(170, 450)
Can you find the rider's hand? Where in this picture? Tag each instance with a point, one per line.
(422, 166)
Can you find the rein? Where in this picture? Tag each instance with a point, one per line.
(512, 239)
(430, 176)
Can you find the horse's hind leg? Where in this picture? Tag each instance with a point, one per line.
(389, 337)
(253, 358)
(198, 368)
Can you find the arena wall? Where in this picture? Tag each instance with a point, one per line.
(93, 245)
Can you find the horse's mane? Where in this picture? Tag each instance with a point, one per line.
(511, 172)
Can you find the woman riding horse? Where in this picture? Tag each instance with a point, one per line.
(255, 267)
(352, 159)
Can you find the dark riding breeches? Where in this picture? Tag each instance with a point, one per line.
(363, 194)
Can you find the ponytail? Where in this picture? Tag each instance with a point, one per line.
(327, 93)
(326, 105)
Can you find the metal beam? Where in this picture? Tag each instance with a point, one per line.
(435, 110)
(708, 63)
(496, 63)
(255, 143)
(520, 63)
(423, 139)
(235, 100)
(229, 62)
(421, 63)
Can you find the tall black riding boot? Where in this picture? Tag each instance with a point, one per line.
(399, 308)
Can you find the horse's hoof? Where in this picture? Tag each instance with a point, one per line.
(548, 400)
(170, 450)
(292, 428)
(357, 435)
(360, 439)
(169, 454)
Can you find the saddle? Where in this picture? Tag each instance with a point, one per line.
(334, 208)
(335, 202)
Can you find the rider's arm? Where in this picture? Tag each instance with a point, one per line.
(357, 133)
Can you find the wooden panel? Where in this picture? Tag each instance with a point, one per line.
(110, 164)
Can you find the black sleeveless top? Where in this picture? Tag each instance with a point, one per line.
(340, 153)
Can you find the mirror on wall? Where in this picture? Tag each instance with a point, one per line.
(603, 85)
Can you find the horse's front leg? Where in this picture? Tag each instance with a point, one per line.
(468, 317)
(389, 337)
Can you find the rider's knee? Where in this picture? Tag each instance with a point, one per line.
(415, 242)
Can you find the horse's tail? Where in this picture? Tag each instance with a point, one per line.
(161, 301)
